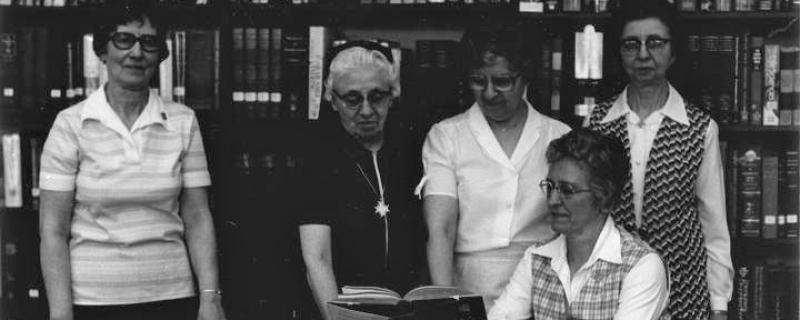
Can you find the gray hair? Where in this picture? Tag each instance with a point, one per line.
(357, 57)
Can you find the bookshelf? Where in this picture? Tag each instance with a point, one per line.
(248, 142)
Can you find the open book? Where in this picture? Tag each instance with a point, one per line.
(423, 303)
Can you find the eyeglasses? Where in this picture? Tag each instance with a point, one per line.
(502, 83)
(564, 189)
(354, 100)
(653, 44)
(126, 40)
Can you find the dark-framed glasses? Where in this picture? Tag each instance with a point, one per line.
(566, 190)
(653, 44)
(126, 40)
(354, 100)
(502, 83)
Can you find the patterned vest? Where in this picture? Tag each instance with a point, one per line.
(670, 224)
(599, 297)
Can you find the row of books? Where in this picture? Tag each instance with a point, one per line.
(269, 67)
(762, 189)
(524, 5)
(732, 5)
(71, 3)
(765, 292)
(745, 79)
(42, 69)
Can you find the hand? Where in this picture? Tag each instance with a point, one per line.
(719, 315)
(211, 308)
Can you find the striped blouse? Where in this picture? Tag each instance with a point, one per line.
(126, 242)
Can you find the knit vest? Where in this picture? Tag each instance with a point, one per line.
(599, 297)
(670, 221)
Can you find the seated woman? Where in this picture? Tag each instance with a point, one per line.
(593, 269)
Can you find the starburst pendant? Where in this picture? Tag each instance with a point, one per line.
(381, 208)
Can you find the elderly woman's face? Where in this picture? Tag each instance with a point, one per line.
(497, 89)
(573, 203)
(650, 61)
(132, 67)
(362, 96)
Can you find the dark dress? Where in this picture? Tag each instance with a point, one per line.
(334, 191)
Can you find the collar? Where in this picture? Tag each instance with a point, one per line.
(98, 108)
(351, 147)
(483, 134)
(608, 247)
(674, 108)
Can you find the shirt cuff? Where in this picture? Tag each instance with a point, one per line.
(719, 303)
(196, 179)
(57, 182)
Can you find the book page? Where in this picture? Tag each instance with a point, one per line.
(368, 295)
(436, 292)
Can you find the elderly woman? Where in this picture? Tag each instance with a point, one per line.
(359, 220)
(592, 270)
(483, 165)
(126, 232)
(674, 196)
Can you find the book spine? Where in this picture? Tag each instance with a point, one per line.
(708, 65)
(756, 79)
(786, 80)
(790, 192)
(771, 84)
(200, 59)
(237, 59)
(555, 85)
(744, 79)
(769, 194)
(263, 85)
(750, 192)
(317, 45)
(27, 48)
(276, 74)
(41, 75)
(796, 87)
(35, 154)
(693, 57)
(757, 293)
(12, 170)
(742, 293)
(545, 79)
(726, 78)
(179, 89)
(165, 72)
(91, 66)
(250, 72)
(9, 64)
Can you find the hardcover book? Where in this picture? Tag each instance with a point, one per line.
(423, 303)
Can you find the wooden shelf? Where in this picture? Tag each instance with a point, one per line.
(739, 129)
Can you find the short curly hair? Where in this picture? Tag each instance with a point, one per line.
(604, 158)
(120, 12)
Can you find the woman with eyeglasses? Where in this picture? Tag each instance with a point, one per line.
(126, 231)
(359, 222)
(674, 198)
(593, 269)
(483, 166)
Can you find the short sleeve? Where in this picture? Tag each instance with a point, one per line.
(59, 162)
(437, 160)
(194, 166)
(313, 190)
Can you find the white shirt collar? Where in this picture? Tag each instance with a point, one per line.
(608, 247)
(674, 108)
(98, 108)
